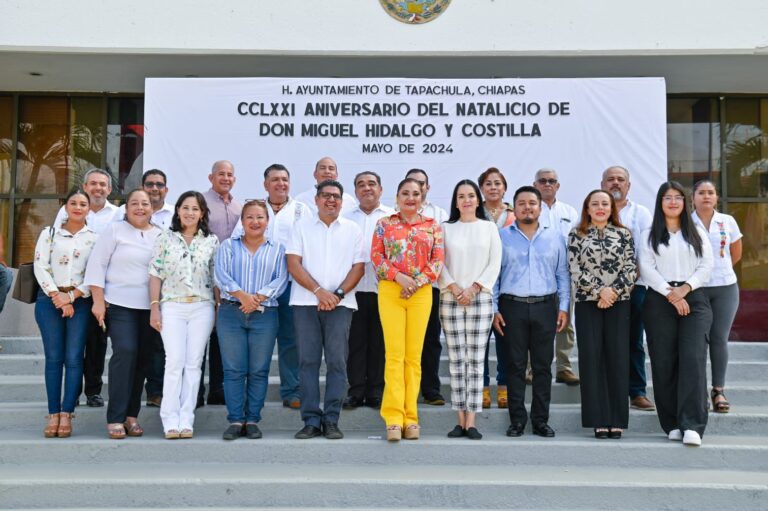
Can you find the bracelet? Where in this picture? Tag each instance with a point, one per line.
(316, 289)
(71, 295)
(153, 302)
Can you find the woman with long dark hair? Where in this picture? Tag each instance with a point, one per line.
(722, 291)
(472, 264)
(407, 253)
(601, 259)
(62, 309)
(676, 261)
(117, 275)
(181, 304)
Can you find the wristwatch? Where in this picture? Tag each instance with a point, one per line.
(339, 292)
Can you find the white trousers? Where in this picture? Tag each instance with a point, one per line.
(185, 332)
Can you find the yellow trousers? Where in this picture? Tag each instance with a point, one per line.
(404, 323)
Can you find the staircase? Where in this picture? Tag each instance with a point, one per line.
(572, 471)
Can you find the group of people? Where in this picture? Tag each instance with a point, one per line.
(368, 288)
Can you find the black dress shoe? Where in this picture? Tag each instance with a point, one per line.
(473, 434)
(543, 429)
(516, 429)
(352, 402)
(94, 401)
(373, 402)
(252, 431)
(233, 432)
(331, 431)
(434, 400)
(216, 398)
(307, 432)
(614, 434)
(457, 432)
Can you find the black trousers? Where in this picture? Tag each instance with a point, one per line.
(365, 363)
(603, 339)
(530, 328)
(430, 354)
(131, 338)
(95, 352)
(678, 349)
(154, 366)
(215, 369)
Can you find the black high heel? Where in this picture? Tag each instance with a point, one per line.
(601, 433)
(614, 433)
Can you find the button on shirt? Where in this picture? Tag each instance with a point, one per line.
(60, 260)
(224, 214)
(186, 270)
(723, 231)
(96, 221)
(263, 272)
(637, 219)
(367, 223)
(327, 253)
(535, 267)
(161, 218)
(676, 262)
(119, 263)
(563, 217)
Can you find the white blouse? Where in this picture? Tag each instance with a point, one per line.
(472, 254)
(676, 262)
(723, 231)
(119, 263)
(60, 260)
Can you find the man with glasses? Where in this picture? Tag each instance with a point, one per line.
(561, 217)
(636, 218)
(154, 183)
(223, 216)
(326, 259)
(430, 354)
(325, 169)
(97, 183)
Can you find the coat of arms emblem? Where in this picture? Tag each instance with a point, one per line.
(415, 11)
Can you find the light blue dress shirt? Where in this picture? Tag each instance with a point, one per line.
(264, 272)
(535, 267)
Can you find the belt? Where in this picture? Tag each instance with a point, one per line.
(528, 299)
(675, 283)
(188, 299)
(231, 302)
(67, 289)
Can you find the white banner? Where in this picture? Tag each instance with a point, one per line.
(453, 129)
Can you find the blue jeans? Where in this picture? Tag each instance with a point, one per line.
(246, 342)
(637, 379)
(64, 345)
(322, 333)
(6, 279)
(287, 355)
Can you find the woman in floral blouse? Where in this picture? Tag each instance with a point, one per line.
(62, 309)
(603, 272)
(407, 253)
(182, 307)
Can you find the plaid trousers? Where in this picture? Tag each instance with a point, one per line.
(466, 333)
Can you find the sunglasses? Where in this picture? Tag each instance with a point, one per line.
(545, 181)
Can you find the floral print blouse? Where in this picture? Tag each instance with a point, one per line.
(61, 258)
(413, 249)
(186, 270)
(602, 258)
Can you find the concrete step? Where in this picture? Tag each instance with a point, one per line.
(358, 485)
(29, 416)
(579, 449)
(739, 371)
(32, 388)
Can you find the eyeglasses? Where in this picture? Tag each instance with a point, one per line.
(154, 184)
(545, 181)
(673, 198)
(328, 196)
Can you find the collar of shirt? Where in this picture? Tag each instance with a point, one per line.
(514, 227)
(64, 232)
(226, 200)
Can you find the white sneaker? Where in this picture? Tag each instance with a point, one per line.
(675, 435)
(691, 438)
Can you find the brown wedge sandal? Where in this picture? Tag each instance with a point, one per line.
(719, 405)
(65, 424)
(52, 428)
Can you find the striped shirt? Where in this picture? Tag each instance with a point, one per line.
(264, 272)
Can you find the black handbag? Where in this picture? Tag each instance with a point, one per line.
(26, 287)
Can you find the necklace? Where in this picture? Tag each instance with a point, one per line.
(277, 207)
